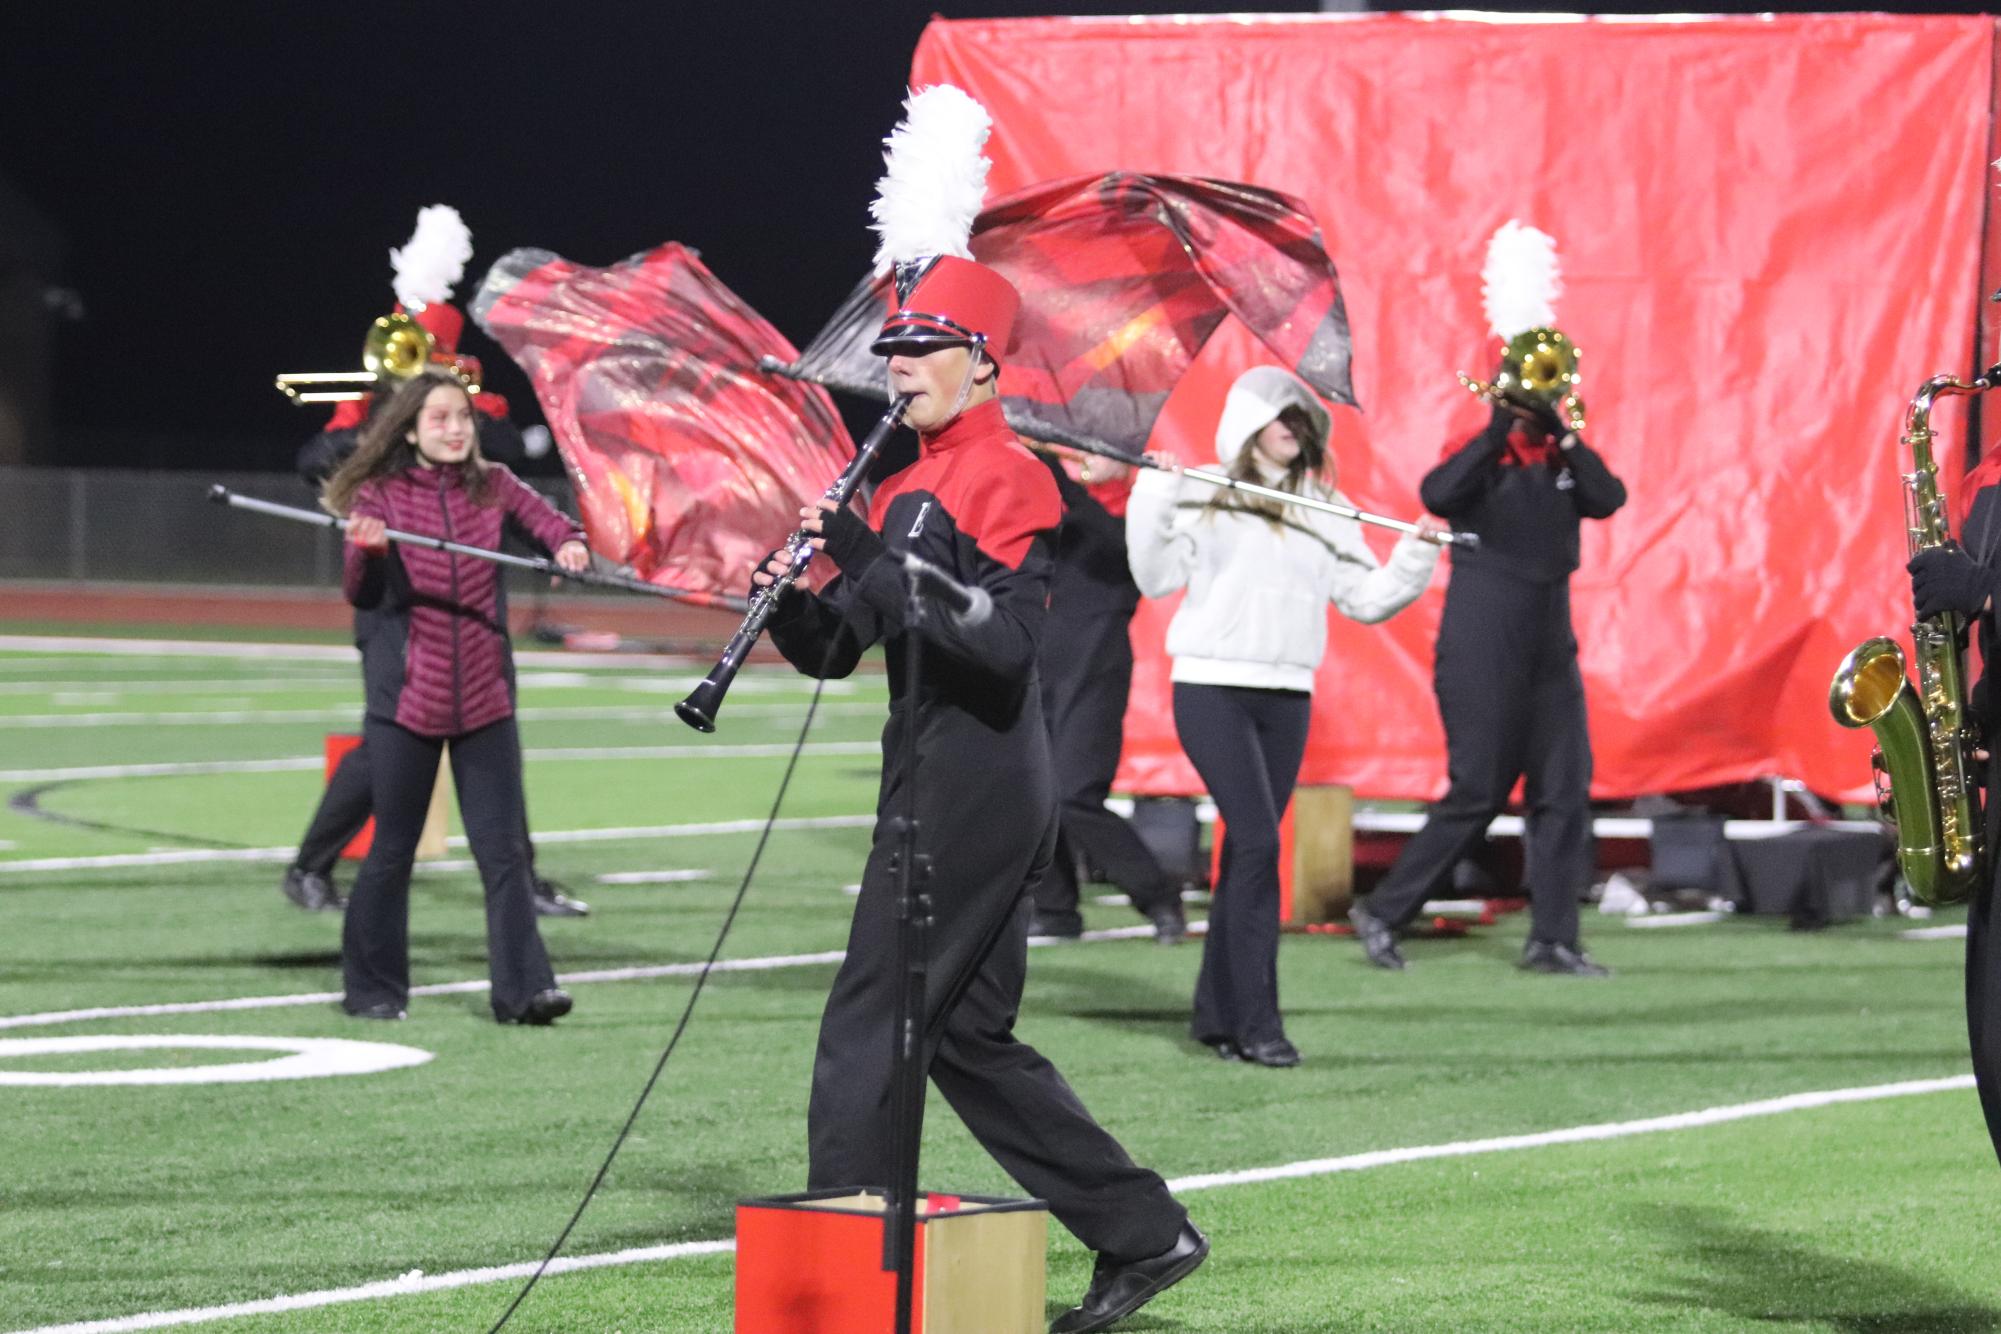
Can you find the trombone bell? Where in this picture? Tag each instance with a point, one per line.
(395, 348)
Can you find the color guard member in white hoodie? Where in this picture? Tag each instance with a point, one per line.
(1245, 646)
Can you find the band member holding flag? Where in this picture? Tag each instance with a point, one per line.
(977, 504)
(426, 268)
(1246, 643)
(418, 469)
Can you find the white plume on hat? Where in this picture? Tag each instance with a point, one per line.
(1521, 280)
(934, 177)
(433, 259)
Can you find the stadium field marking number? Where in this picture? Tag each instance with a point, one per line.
(304, 1058)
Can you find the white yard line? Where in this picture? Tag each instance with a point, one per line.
(345, 685)
(343, 653)
(641, 973)
(196, 856)
(750, 751)
(179, 686)
(415, 1282)
(350, 714)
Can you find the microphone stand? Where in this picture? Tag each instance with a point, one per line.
(913, 964)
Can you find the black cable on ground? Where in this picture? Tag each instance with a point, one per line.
(687, 1011)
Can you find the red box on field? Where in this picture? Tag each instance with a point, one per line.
(812, 1264)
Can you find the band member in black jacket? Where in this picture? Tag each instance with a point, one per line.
(1087, 671)
(1966, 579)
(1508, 687)
(977, 504)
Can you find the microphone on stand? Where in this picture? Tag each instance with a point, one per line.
(969, 603)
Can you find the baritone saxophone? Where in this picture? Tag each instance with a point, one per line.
(1926, 782)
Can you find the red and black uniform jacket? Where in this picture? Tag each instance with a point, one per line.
(454, 648)
(1523, 498)
(977, 504)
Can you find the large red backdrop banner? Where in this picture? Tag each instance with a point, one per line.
(1770, 231)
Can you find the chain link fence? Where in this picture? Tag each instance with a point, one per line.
(109, 525)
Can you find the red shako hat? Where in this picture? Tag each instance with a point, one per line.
(952, 300)
(443, 321)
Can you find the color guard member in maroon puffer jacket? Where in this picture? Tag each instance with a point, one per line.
(418, 469)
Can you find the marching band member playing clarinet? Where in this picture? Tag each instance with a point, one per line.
(418, 469)
(977, 504)
(1245, 644)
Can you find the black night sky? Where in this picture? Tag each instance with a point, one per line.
(227, 178)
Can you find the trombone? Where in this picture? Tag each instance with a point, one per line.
(395, 348)
(1538, 367)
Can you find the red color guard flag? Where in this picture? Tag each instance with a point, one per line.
(1123, 277)
(689, 464)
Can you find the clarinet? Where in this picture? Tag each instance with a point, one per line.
(698, 710)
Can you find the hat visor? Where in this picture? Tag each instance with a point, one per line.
(914, 339)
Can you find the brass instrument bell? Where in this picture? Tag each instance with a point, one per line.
(1538, 366)
(395, 348)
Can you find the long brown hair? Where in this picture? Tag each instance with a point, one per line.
(1309, 463)
(385, 446)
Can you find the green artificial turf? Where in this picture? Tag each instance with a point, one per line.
(1870, 1216)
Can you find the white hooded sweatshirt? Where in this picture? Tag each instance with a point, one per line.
(1256, 614)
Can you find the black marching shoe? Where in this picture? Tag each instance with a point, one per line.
(1118, 1288)
(1225, 1048)
(551, 901)
(544, 1008)
(1277, 1053)
(1055, 926)
(1379, 942)
(380, 1010)
(1544, 956)
(1170, 924)
(311, 890)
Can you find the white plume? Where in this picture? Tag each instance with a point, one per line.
(1522, 279)
(935, 178)
(433, 259)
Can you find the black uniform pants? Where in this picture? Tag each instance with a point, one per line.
(1086, 669)
(1512, 702)
(1983, 969)
(344, 808)
(1246, 745)
(375, 937)
(1010, 1097)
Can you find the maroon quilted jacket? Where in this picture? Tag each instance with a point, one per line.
(455, 645)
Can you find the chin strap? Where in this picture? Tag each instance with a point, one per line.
(979, 351)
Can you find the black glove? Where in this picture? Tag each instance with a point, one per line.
(851, 543)
(1946, 579)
